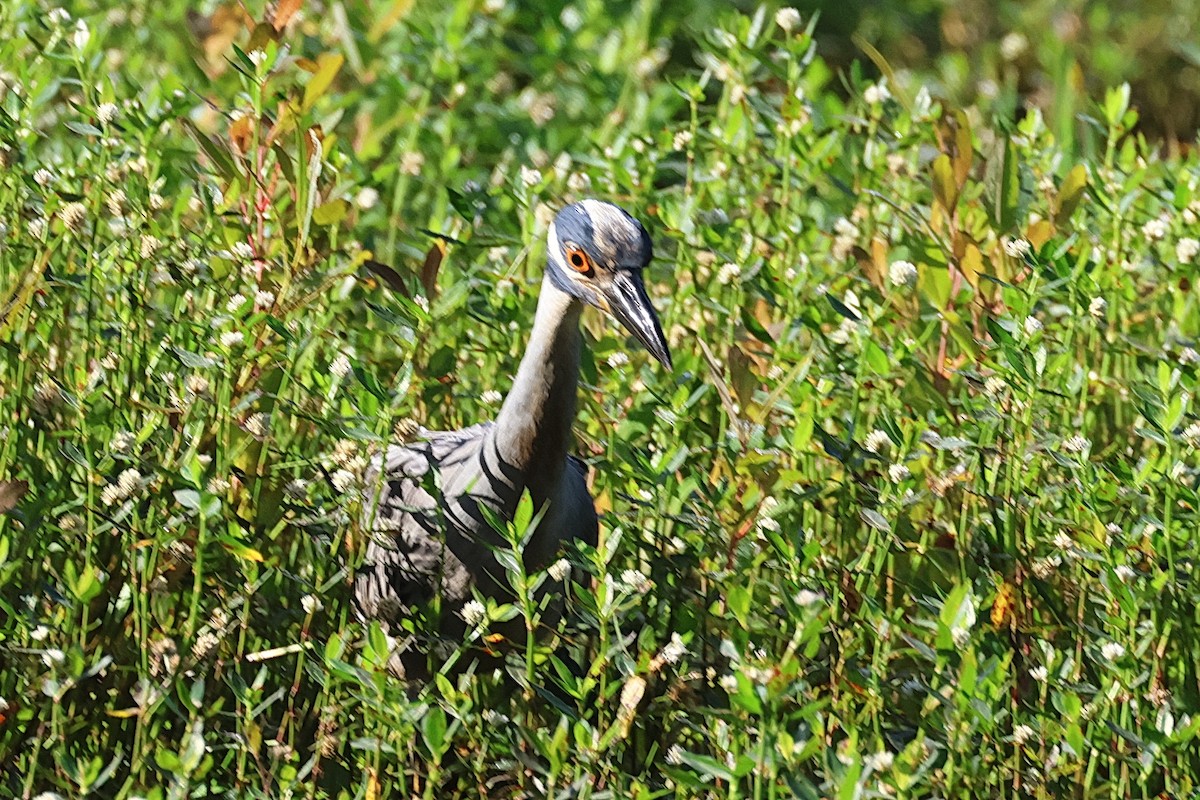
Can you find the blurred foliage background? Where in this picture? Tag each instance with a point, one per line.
(914, 515)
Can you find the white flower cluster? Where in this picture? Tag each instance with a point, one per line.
(121, 488)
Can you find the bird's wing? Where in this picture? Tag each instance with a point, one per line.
(408, 563)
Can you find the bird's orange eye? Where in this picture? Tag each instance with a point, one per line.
(579, 260)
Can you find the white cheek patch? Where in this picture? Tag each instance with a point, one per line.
(555, 255)
(611, 231)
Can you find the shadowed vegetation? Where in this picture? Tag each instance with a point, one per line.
(914, 515)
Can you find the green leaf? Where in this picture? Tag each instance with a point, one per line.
(738, 600)
(1002, 185)
(945, 188)
(1116, 103)
(875, 519)
(1070, 193)
(433, 731)
(216, 151)
(842, 308)
(331, 213)
(524, 513)
(707, 766)
(328, 65)
(84, 129)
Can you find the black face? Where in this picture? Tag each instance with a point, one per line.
(597, 253)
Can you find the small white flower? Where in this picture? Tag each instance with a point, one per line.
(342, 480)
(52, 657)
(39, 633)
(560, 570)
(681, 140)
(806, 597)
(37, 228)
(675, 755)
(634, 581)
(81, 35)
(1039, 673)
(366, 198)
(242, 251)
(311, 604)
(122, 441)
(43, 177)
(1017, 248)
(257, 57)
(960, 636)
(1187, 249)
(788, 19)
(1111, 651)
(73, 215)
(217, 485)
(1077, 444)
(116, 202)
(673, 650)
(1097, 307)
(1013, 46)
(877, 441)
(618, 359)
(879, 762)
(257, 425)
(491, 397)
(340, 366)
(898, 473)
(876, 93)
(579, 182)
(530, 177)
(766, 525)
(729, 683)
(411, 163)
(474, 613)
(157, 201)
(1155, 229)
(149, 246)
(107, 112)
(1031, 325)
(264, 299)
(1022, 734)
(195, 384)
(1187, 355)
(232, 338)
(903, 273)
(1125, 573)
(728, 273)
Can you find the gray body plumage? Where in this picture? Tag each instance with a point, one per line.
(432, 504)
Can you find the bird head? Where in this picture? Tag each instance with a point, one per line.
(596, 253)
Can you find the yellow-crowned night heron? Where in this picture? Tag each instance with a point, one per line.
(433, 531)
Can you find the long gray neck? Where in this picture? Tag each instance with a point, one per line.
(533, 430)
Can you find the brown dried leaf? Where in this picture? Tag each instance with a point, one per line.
(284, 11)
(11, 493)
(240, 134)
(216, 32)
(429, 270)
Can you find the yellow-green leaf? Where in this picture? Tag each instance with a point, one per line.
(1070, 193)
(945, 189)
(331, 213)
(328, 65)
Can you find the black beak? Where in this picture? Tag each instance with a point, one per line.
(629, 303)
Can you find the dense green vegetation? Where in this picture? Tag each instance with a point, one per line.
(915, 514)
